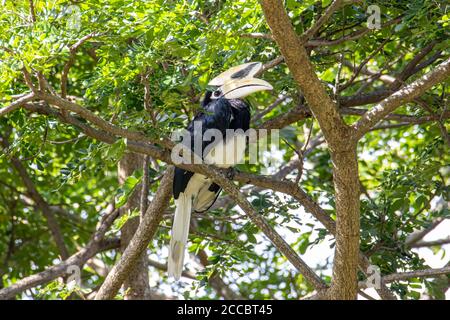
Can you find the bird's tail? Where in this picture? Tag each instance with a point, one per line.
(180, 231)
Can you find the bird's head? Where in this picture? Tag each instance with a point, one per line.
(238, 82)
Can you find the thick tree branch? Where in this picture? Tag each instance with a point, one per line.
(408, 93)
(221, 179)
(296, 57)
(32, 12)
(412, 65)
(268, 109)
(418, 235)
(402, 276)
(16, 104)
(393, 82)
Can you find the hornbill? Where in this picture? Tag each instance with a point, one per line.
(221, 109)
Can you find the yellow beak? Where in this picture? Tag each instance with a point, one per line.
(240, 88)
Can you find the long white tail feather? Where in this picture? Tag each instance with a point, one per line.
(180, 232)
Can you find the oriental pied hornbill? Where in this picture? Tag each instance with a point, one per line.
(222, 109)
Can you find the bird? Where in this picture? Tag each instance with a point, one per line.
(222, 109)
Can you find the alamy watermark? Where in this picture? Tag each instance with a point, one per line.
(74, 17)
(374, 19)
(373, 277)
(212, 146)
(74, 278)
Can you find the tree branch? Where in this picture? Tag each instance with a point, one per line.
(16, 104)
(145, 232)
(32, 13)
(143, 203)
(269, 65)
(308, 34)
(136, 285)
(216, 282)
(322, 42)
(163, 267)
(90, 116)
(393, 82)
(357, 70)
(266, 228)
(321, 105)
(73, 50)
(61, 269)
(342, 146)
(422, 244)
(408, 93)
(268, 109)
(427, 273)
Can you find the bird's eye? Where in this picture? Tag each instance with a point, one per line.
(217, 93)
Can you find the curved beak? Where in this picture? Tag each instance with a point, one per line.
(241, 88)
(239, 82)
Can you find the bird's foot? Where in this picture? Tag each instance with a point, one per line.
(230, 173)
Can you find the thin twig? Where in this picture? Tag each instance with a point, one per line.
(32, 13)
(73, 50)
(144, 185)
(308, 34)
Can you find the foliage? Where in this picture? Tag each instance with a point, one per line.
(180, 45)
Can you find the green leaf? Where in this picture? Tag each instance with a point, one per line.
(124, 192)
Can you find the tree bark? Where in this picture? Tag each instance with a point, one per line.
(341, 140)
(136, 285)
(346, 256)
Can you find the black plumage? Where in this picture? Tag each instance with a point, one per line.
(221, 110)
(221, 114)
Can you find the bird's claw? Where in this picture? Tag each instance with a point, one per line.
(230, 173)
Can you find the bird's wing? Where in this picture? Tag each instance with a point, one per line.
(216, 115)
(206, 197)
(180, 181)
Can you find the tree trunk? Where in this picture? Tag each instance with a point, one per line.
(136, 286)
(347, 191)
